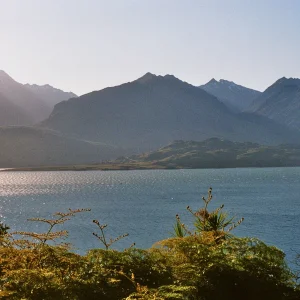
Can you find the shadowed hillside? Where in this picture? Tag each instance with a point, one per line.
(29, 147)
(19, 106)
(280, 102)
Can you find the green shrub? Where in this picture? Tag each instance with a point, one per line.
(205, 264)
(238, 268)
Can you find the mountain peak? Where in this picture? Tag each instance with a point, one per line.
(236, 97)
(280, 102)
(147, 77)
(221, 81)
(212, 81)
(282, 78)
(36, 86)
(289, 80)
(49, 94)
(285, 82)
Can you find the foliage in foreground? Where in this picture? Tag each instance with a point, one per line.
(206, 264)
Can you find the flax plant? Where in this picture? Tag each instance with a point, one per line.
(216, 222)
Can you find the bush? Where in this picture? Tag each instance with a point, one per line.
(239, 268)
(208, 263)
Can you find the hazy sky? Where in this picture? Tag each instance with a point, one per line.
(85, 45)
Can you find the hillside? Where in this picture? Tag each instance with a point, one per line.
(216, 153)
(280, 102)
(49, 94)
(22, 107)
(30, 147)
(11, 114)
(27, 104)
(155, 110)
(236, 97)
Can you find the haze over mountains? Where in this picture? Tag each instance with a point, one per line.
(26, 104)
(50, 94)
(139, 116)
(236, 97)
(19, 106)
(33, 147)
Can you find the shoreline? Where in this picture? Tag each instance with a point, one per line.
(99, 167)
(128, 167)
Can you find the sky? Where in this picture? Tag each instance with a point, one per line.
(86, 45)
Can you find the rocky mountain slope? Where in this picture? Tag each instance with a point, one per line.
(27, 104)
(280, 102)
(236, 97)
(49, 94)
(20, 105)
(155, 110)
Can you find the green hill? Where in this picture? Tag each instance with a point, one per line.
(217, 153)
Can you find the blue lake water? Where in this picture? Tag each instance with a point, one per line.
(144, 203)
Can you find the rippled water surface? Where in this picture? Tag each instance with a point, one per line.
(144, 203)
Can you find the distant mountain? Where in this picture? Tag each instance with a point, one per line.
(19, 106)
(50, 94)
(216, 153)
(280, 102)
(11, 114)
(236, 97)
(31, 147)
(155, 110)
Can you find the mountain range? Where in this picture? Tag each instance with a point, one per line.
(154, 110)
(139, 116)
(50, 94)
(26, 104)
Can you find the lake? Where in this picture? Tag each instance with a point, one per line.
(144, 203)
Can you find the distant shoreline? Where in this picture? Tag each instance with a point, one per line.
(127, 167)
(100, 167)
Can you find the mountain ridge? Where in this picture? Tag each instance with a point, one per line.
(30, 107)
(49, 94)
(26, 104)
(236, 97)
(280, 102)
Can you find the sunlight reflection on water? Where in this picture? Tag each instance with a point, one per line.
(144, 203)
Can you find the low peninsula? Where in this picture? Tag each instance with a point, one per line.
(211, 153)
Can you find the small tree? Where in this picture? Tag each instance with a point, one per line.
(34, 239)
(216, 222)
